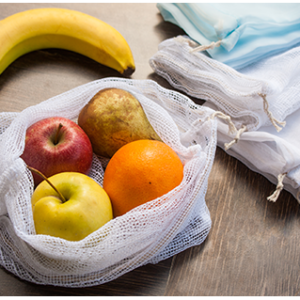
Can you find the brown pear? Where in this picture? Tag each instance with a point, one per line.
(113, 118)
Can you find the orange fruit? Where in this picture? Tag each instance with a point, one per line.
(139, 172)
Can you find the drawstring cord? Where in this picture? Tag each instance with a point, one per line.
(227, 118)
(236, 139)
(279, 188)
(232, 128)
(212, 45)
(270, 115)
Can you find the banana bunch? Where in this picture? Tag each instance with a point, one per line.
(65, 29)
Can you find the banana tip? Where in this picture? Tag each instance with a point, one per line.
(128, 71)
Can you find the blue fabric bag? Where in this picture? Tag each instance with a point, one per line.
(237, 34)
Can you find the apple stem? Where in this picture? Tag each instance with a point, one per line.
(62, 198)
(57, 133)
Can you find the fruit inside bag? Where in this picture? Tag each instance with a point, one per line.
(149, 233)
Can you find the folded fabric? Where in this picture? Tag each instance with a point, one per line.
(275, 155)
(237, 34)
(259, 106)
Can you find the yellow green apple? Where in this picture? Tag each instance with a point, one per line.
(80, 207)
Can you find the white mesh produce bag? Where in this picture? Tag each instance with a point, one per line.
(262, 102)
(147, 234)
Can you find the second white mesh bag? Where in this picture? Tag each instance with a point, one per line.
(148, 234)
(261, 101)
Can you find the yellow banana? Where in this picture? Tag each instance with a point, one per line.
(43, 28)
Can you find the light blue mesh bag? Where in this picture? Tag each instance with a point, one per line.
(237, 34)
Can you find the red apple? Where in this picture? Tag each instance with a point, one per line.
(56, 145)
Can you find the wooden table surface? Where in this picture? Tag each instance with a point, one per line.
(252, 248)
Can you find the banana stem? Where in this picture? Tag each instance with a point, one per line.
(62, 198)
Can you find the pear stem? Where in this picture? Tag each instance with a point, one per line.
(57, 133)
(62, 198)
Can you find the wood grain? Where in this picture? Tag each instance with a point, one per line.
(252, 248)
(148, 280)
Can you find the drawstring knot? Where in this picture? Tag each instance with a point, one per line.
(232, 128)
(237, 137)
(212, 45)
(279, 188)
(274, 121)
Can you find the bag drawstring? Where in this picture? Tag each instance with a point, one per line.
(232, 128)
(270, 115)
(279, 188)
(236, 139)
(227, 118)
(212, 45)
